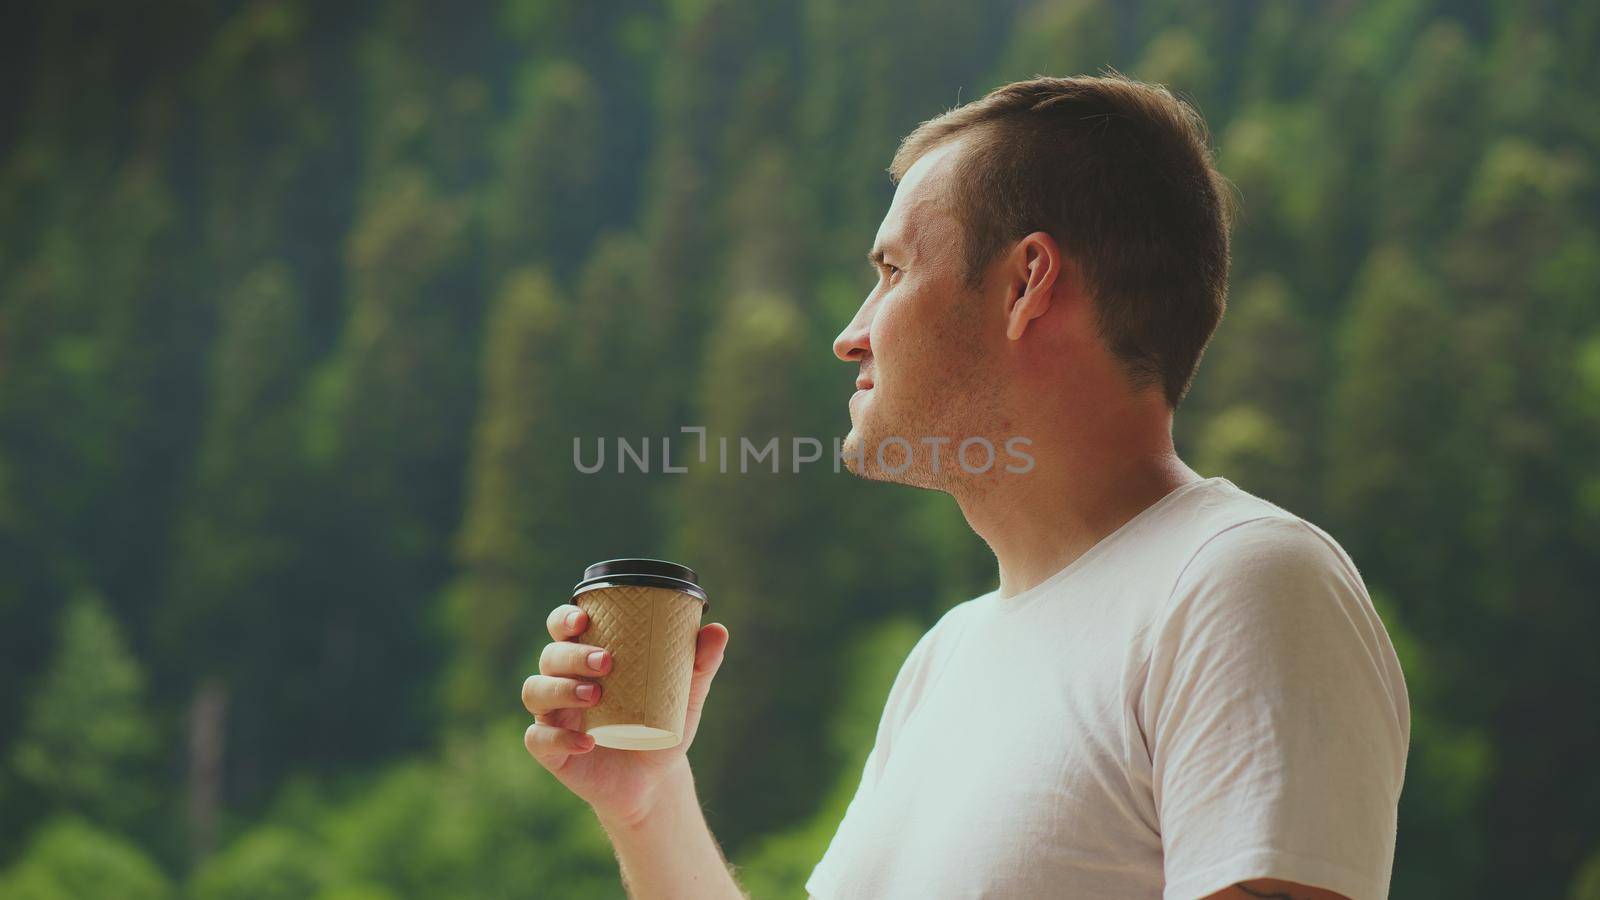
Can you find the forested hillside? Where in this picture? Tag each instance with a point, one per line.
(302, 305)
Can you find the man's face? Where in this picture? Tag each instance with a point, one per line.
(920, 338)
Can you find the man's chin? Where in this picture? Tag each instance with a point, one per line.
(861, 459)
(855, 461)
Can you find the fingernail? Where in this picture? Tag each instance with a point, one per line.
(597, 659)
(572, 619)
(587, 691)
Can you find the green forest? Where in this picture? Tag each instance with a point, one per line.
(303, 304)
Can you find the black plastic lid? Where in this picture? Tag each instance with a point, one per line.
(644, 572)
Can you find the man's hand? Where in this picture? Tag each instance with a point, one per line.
(1257, 888)
(621, 785)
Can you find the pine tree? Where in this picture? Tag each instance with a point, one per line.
(242, 595)
(1404, 488)
(755, 536)
(511, 539)
(1247, 417)
(88, 744)
(1433, 136)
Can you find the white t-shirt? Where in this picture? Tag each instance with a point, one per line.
(1205, 697)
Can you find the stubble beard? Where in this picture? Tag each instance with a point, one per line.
(951, 415)
(874, 453)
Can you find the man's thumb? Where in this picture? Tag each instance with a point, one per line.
(708, 654)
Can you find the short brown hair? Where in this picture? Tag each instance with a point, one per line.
(1120, 173)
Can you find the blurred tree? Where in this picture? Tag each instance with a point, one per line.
(275, 175)
(1396, 355)
(1265, 151)
(619, 50)
(386, 433)
(862, 93)
(1280, 46)
(1433, 118)
(477, 821)
(268, 863)
(1074, 36)
(549, 157)
(68, 859)
(240, 596)
(97, 342)
(773, 605)
(1251, 399)
(1447, 777)
(1344, 139)
(512, 535)
(88, 744)
(1176, 59)
(426, 102)
(491, 826)
(630, 347)
(1516, 263)
(247, 255)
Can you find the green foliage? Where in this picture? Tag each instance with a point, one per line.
(1447, 774)
(1251, 396)
(1396, 355)
(269, 863)
(1434, 116)
(88, 743)
(478, 821)
(238, 541)
(548, 154)
(1178, 59)
(511, 529)
(301, 306)
(1076, 36)
(69, 859)
(775, 616)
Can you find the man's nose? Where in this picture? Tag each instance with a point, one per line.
(854, 341)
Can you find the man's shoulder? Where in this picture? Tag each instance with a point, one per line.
(1282, 544)
(1270, 575)
(1246, 533)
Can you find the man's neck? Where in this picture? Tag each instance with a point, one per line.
(1039, 522)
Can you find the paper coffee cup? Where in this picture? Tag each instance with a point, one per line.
(646, 612)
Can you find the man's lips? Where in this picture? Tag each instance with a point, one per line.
(863, 383)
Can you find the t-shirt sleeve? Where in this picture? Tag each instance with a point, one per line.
(1277, 718)
(908, 685)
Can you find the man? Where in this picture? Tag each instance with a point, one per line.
(1178, 690)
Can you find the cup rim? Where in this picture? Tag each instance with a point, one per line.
(644, 580)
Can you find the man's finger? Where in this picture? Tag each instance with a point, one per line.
(569, 719)
(574, 660)
(566, 621)
(551, 745)
(710, 649)
(709, 646)
(543, 693)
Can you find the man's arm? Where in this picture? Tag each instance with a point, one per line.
(670, 852)
(1274, 889)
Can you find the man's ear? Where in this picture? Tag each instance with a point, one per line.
(1032, 272)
